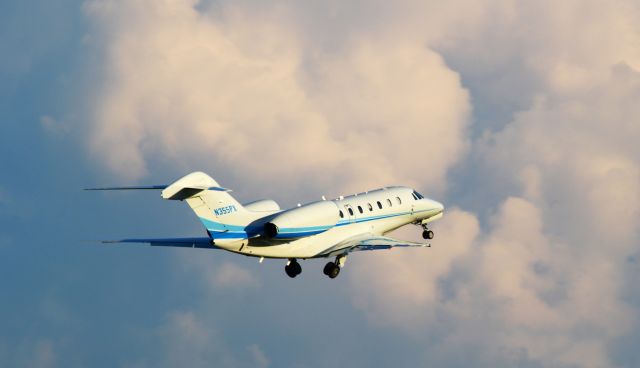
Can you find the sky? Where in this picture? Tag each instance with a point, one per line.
(521, 117)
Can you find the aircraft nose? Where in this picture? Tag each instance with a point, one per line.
(438, 205)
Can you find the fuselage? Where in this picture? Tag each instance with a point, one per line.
(375, 212)
(326, 228)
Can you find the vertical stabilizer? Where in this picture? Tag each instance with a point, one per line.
(223, 216)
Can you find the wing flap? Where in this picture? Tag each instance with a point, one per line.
(369, 241)
(383, 242)
(169, 242)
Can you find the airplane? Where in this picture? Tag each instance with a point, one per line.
(321, 229)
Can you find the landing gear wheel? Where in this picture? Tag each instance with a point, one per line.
(331, 269)
(290, 271)
(293, 269)
(427, 234)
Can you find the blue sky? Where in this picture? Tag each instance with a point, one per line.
(522, 120)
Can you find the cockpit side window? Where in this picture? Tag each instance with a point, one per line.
(417, 195)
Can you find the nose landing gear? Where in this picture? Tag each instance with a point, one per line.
(426, 233)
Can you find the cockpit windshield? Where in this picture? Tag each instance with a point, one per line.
(417, 195)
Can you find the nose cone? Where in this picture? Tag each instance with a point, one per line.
(435, 207)
(438, 205)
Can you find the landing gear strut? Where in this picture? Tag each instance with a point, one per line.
(332, 269)
(293, 268)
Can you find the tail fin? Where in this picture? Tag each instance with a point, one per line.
(223, 216)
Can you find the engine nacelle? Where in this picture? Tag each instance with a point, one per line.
(263, 205)
(310, 219)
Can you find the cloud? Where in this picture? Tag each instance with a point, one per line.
(32, 353)
(52, 125)
(403, 281)
(241, 90)
(534, 273)
(259, 357)
(215, 275)
(190, 339)
(44, 355)
(544, 283)
(230, 275)
(187, 341)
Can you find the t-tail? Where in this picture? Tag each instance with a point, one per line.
(225, 219)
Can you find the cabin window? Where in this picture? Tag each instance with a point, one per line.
(341, 214)
(350, 211)
(399, 200)
(360, 209)
(379, 205)
(370, 206)
(389, 202)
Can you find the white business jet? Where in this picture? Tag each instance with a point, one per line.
(323, 229)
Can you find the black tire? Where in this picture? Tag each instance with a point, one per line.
(328, 268)
(291, 271)
(427, 234)
(296, 267)
(334, 271)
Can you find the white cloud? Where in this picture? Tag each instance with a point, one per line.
(188, 341)
(545, 281)
(186, 87)
(215, 275)
(393, 288)
(267, 96)
(230, 275)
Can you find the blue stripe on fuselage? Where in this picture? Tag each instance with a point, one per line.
(226, 231)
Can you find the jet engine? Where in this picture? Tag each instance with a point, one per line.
(263, 205)
(310, 219)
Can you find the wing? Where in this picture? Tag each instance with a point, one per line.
(369, 242)
(170, 242)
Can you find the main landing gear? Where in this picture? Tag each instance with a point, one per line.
(332, 269)
(293, 268)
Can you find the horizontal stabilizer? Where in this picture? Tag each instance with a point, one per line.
(169, 242)
(148, 187)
